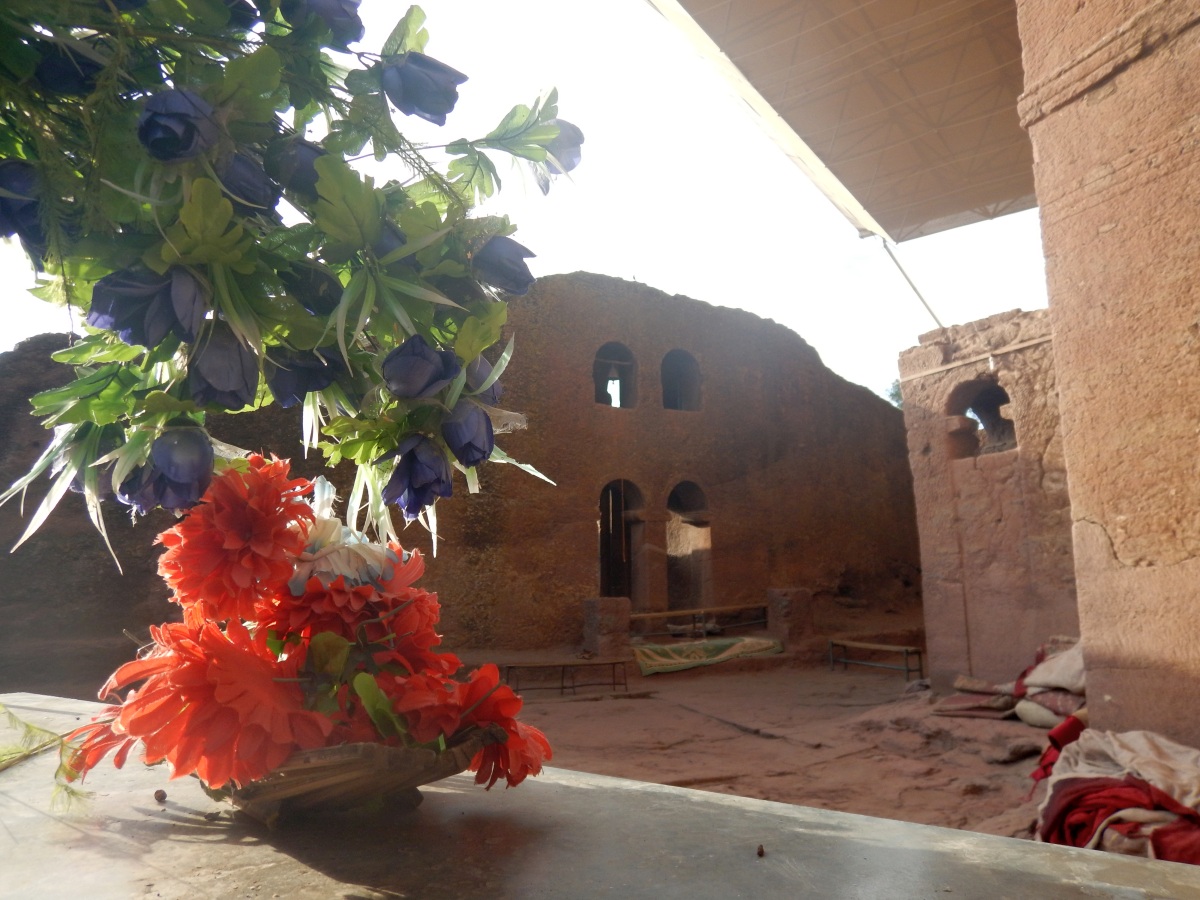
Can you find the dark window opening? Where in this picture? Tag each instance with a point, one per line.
(978, 422)
(680, 381)
(620, 536)
(614, 374)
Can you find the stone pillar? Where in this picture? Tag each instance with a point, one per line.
(790, 615)
(1110, 102)
(650, 561)
(606, 626)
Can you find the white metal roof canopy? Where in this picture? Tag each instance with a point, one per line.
(903, 112)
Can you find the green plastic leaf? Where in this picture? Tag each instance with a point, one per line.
(500, 456)
(63, 437)
(420, 292)
(480, 331)
(378, 706)
(349, 207)
(160, 403)
(102, 396)
(371, 114)
(365, 81)
(362, 440)
(386, 300)
(97, 348)
(408, 34)
(18, 59)
(206, 232)
(456, 388)
(134, 453)
(328, 653)
(526, 130)
(475, 175)
(250, 83)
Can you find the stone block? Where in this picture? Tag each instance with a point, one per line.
(606, 626)
(790, 615)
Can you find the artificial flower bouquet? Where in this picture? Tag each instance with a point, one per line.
(306, 668)
(186, 177)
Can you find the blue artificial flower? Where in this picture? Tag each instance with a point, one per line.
(421, 86)
(64, 71)
(290, 163)
(422, 474)
(313, 286)
(175, 476)
(176, 125)
(501, 263)
(19, 209)
(143, 306)
(390, 239)
(248, 187)
(339, 16)
(564, 148)
(295, 375)
(222, 371)
(414, 369)
(467, 431)
(478, 371)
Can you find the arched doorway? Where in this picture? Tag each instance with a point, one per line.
(620, 536)
(689, 548)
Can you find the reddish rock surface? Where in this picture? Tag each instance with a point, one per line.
(992, 504)
(784, 476)
(1110, 104)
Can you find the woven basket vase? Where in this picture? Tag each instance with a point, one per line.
(339, 779)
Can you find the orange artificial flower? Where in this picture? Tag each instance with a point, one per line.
(238, 545)
(338, 607)
(432, 705)
(86, 746)
(522, 754)
(409, 625)
(217, 704)
(486, 700)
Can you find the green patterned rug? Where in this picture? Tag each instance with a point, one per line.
(652, 658)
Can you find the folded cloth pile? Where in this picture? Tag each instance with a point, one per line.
(1045, 694)
(1134, 792)
(1052, 689)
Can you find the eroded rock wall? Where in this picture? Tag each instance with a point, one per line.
(803, 475)
(992, 504)
(1110, 105)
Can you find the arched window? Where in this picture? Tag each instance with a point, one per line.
(614, 374)
(620, 535)
(680, 381)
(689, 548)
(977, 421)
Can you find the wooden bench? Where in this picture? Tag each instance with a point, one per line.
(699, 615)
(568, 673)
(911, 655)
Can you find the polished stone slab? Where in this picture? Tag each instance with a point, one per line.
(563, 834)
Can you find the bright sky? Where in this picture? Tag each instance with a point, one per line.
(680, 189)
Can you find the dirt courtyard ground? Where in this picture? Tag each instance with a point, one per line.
(851, 741)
